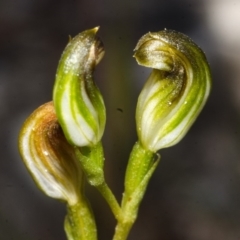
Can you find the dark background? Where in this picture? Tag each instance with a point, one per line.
(195, 192)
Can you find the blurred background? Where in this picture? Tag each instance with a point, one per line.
(195, 192)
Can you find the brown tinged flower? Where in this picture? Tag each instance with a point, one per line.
(48, 156)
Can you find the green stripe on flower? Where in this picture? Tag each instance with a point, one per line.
(175, 91)
(78, 102)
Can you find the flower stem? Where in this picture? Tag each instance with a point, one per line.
(92, 162)
(140, 168)
(122, 230)
(110, 198)
(80, 223)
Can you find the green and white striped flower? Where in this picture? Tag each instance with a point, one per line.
(49, 157)
(78, 102)
(175, 91)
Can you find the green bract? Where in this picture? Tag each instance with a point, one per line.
(175, 91)
(79, 105)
